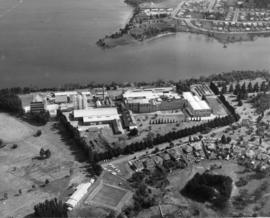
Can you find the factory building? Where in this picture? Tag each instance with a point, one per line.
(99, 116)
(149, 100)
(196, 107)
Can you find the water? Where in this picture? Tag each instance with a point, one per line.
(51, 42)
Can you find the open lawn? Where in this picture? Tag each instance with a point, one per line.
(19, 171)
(12, 129)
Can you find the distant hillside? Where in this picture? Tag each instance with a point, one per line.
(258, 3)
(136, 3)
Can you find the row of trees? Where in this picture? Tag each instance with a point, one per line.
(224, 78)
(162, 121)
(95, 168)
(50, 208)
(159, 139)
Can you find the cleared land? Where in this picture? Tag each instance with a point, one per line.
(19, 171)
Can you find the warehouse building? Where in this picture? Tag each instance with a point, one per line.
(99, 116)
(196, 107)
(80, 192)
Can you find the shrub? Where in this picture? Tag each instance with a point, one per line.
(38, 133)
(14, 146)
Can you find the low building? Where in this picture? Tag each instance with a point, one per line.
(98, 116)
(38, 104)
(81, 190)
(196, 107)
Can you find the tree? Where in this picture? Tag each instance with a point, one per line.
(47, 182)
(97, 168)
(263, 87)
(41, 152)
(237, 89)
(47, 153)
(256, 87)
(112, 214)
(240, 103)
(133, 132)
(231, 88)
(41, 118)
(10, 102)
(224, 89)
(249, 88)
(50, 208)
(223, 139)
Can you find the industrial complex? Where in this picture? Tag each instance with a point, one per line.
(90, 109)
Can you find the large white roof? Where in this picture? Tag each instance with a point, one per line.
(96, 112)
(78, 194)
(195, 102)
(151, 93)
(66, 93)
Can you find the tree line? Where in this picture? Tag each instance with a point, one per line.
(50, 208)
(223, 78)
(10, 102)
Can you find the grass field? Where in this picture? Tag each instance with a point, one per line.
(109, 195)
(12, 129)
(19, 171)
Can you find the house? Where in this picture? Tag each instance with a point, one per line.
(137, 164)
(187, 148)
(149, 164)
(165, 156)
(158, 160)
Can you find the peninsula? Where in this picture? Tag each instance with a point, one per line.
(226, 21)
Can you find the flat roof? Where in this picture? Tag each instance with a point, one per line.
(66, 93)
(96, 112)
(195, 102)
(150, 93)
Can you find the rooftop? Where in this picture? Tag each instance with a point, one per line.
(195, 102)
(96, 112)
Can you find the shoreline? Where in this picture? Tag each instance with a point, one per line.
(124, 36)
(161, 35)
